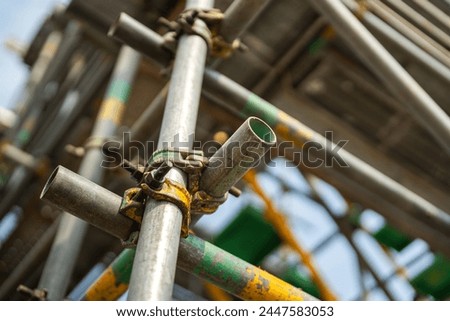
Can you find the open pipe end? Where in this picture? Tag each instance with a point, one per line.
(112, 30)
(262, 131)
(49, 182)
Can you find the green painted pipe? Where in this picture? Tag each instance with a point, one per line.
(208, 262)
(234, 275)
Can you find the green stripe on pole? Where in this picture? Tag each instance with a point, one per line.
(317, 45)
(23, 136)
(119, 89)
(123, 265)
(256, 106)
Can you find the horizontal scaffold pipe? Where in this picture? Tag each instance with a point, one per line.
(195, 255)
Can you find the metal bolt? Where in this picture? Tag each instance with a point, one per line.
(157, 176)
(132, 169)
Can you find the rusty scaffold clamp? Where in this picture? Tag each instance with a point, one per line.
(153, 183)
(205, 24)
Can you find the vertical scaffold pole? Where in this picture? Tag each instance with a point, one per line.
(71, 231)
(239, 16)
(154, 265)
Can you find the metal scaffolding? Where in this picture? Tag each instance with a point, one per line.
(201, 96)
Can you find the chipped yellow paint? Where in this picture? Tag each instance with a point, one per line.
(289, 128)
(134, 214)
(265, 287)
(112, 109)
(106, 288)
(129, 206)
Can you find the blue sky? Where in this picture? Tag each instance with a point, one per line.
(19, 19)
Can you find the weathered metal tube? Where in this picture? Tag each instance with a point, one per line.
(241, 152)
(75, 101)
(22, 175)
(156, 254)
(195, 255)
(403, 221)
(68, 241)
(234, 275)
(15, 186)
(140, 38)
(38, 70)
(421, 22)
(434, 11)
(74, 193)
(414, 33)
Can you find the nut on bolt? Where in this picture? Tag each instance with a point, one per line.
(156, 178)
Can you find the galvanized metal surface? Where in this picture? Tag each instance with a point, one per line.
(418, 103)
(71, 232)
(64, 187)
(247, 104)
(242, 151)
(125, 27)
(317, 72)
(233, 274)
(412, 32)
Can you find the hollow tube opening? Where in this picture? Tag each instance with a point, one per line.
(49, 182)
(262, 130)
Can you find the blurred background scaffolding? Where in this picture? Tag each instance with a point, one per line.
(337, 232)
